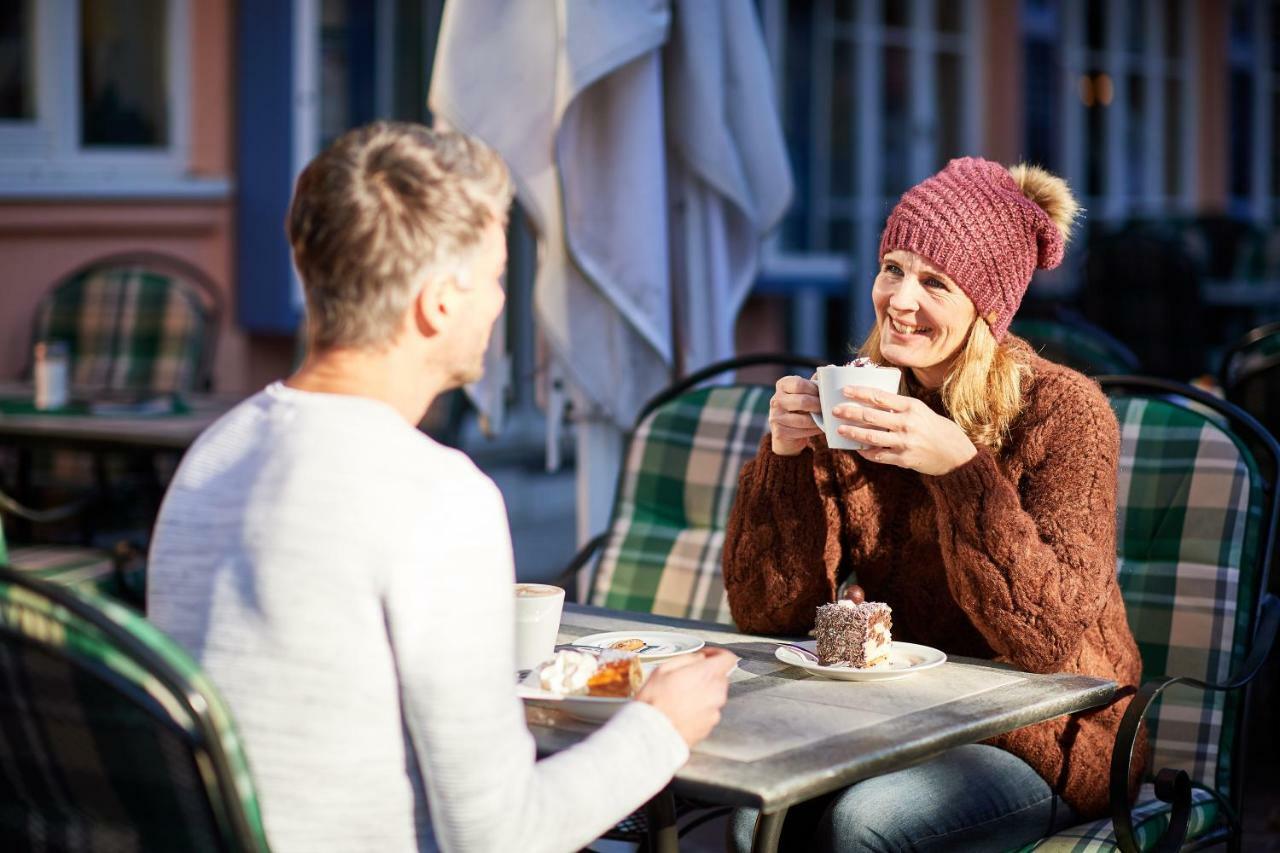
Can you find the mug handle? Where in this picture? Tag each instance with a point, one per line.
(817, 416)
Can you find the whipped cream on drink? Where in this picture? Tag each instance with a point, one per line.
(567, 673)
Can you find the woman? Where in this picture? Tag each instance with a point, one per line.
(982, 510)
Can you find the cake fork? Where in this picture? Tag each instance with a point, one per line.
(800, 650)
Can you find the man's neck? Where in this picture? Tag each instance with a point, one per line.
(391, 377)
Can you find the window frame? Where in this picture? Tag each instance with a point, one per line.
(46, 157)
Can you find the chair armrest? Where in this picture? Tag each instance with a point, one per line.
(39, 516)
(1174, 786)
(569, 574)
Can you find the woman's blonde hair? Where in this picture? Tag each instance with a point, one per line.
(983, 390)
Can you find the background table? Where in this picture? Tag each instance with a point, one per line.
(138, 442)
(787, 736)
(110, 432)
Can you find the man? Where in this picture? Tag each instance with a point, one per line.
(348, 583)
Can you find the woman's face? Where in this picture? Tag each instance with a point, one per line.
(924, 317)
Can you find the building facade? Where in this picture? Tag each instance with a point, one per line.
(179, 125)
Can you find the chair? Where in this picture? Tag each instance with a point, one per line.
(92, 569)
(112, 738)
(1076, 343)
(137, 323)
(1197, 514)
(661, 553)
(1250, 375)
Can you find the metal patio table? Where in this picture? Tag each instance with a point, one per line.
(787, 736)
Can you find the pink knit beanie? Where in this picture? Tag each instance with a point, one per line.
(973, 222)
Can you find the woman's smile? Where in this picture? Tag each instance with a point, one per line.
(907, 330)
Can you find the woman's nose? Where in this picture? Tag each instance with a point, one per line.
(905, 295)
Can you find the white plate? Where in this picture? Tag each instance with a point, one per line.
(662, 644)
(592, 709)
(904, 659)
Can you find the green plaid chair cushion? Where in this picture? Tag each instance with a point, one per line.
(1189, 521)
(128, 329)
(1150, 817)
(662, 554)
(1078, 347)
(99, 749)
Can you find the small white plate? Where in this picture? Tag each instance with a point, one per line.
(662, 644)
(904, 659)
(591, 709)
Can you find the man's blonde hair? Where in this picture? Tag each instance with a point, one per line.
(983, 390)
(381, 208)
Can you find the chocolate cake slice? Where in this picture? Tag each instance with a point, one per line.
(853, 635)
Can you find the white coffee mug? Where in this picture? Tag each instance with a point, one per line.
(833, 377)
(538, 607)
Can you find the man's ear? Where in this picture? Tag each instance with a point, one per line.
(436, 305)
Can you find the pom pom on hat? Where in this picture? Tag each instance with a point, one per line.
(988, 228)
(1052, 195)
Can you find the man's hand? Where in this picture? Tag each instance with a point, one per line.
(691, 690)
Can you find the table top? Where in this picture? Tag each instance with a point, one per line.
(154, 431)
(786, 736)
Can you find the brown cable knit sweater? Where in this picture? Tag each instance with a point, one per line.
(1011, 556)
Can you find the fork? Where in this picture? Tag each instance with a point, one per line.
(800, 650)
(646, 647)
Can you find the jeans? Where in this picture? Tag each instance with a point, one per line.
(974, 797)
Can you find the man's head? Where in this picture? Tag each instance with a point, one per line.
(395, 216)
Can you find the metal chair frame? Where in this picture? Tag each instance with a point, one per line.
(1072, 320)
(1227, 376)
(1174, 786)
(120, 554)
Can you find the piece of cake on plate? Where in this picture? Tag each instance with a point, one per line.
(853, 635)
(612, 674)
(619, 675)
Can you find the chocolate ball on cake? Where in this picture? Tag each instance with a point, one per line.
(854, 593)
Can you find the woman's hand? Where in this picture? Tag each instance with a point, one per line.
(790, 422)
(903, 431)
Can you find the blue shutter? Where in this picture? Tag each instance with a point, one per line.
(264, 144)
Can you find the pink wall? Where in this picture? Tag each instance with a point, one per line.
(42, 242)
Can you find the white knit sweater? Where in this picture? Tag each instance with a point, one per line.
(347, 584)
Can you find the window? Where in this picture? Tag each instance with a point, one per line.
(874, 96)
(1254, 99)
(1110, 101)
(17, 67)
(123, 74)
(94, 97)
(1042, 61)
